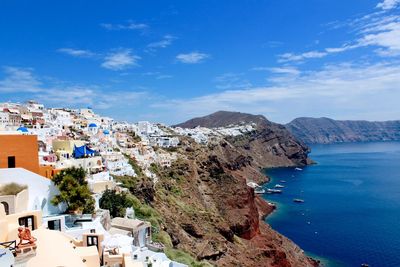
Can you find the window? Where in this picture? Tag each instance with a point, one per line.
(54, 225)
(28, 222)
(6, 207)
(11, 162)
(92, 241)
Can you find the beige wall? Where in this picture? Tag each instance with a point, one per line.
(17, 203)
(101, 186)
(21, 201)
(9, 223)
(66, 145)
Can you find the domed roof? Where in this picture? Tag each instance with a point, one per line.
(92, 125)
(22, 129)
(106, 132)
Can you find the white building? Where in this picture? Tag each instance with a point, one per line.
(145, 128)
(40, 190)
(4, 119)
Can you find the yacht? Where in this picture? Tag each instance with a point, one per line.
(279, 186)
(259, 190)
(298, 200)
(273, 191)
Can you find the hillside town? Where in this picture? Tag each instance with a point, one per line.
(50, 158)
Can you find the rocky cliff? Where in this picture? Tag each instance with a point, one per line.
(209, 211)
(325, 130)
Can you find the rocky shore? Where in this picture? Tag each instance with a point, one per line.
(209, 211)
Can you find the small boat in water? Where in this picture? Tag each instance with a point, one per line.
(273, 191)
(279, 186)
(282, 181)
(364, 265)
(259, 190)
(298, 169)
(298, 200)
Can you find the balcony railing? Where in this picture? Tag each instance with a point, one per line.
(11, 245)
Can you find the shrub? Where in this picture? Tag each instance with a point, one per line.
(11, 189)
(74, 191)
(115, 202)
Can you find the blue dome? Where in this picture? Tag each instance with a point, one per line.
(23, 129)
(106, 132)
(92, 125)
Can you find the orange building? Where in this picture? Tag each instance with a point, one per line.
(21, 151)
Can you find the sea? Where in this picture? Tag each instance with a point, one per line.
(351, 210)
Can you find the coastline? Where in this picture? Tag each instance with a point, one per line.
(266, 209)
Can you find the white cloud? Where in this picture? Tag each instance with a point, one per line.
(192, 58)
(165, 42)
(128, 26)
(19, 80)
(377, 29)
(279, 70)
(231, 81)
(385, 35)
(342, 91)
(388, 4)
(120, 60)
(56, 93)
(286, 57)
(164, 76)
(76, 52)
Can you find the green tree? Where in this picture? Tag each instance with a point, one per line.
(115, 202)
(74, 191)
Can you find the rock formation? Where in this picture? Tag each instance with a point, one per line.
(325, 130)
(207, 207)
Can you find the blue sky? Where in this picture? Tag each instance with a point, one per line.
(169, 61)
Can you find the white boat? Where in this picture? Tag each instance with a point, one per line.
(279, 186)
(298, 169)
(273, 191)
(282, 181)
(298, 200)
(259, 190)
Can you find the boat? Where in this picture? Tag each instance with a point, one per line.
(259, 190)
(298, 200)
(282, 181)
(298, 169)
(279, 186)
(364, 265)
(273, 191)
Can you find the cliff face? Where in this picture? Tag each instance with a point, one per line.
(270, 145)
(208, 209)
(325, 131)
(210, 212)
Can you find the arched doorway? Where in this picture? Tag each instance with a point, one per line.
(6, 207)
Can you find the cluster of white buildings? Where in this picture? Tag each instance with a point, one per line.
(203, 135)
(40, 143)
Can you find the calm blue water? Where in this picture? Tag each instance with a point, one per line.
(351, 213)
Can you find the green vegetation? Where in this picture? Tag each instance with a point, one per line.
(135, 138)
(146, 212)
(185, 258)
(74, 191)
(155, 168)
(138, 170)
(115, 202)
(11, 189)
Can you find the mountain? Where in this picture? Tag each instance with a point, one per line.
(207, 208)
(270, 145)
(325, 130)
(221, 119)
